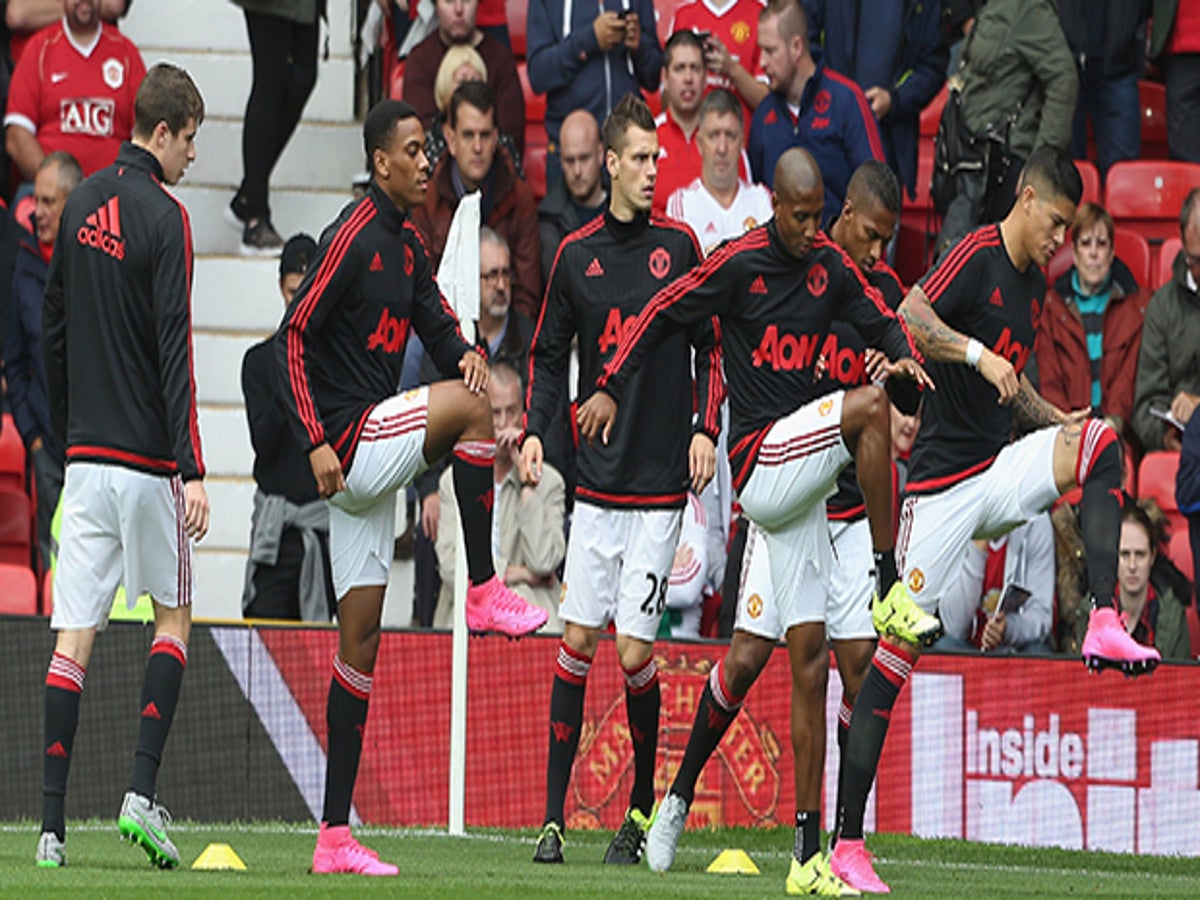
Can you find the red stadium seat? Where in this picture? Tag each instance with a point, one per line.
(914, 246)
(1146, 195)
(12, 456)
(922, 201)
(664, 12)
(1179, 551)
(395, 81)
(1133, 250)
(516, 12)
(1091, 181)
(1152, 97)
(16, 528)
(1156, 478)
(931, 115)
(18, 590)
(1166, 261)
(535, 104)
(535, 168)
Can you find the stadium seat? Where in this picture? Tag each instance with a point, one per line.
(395, 81)
(535, 104)
(18, 590)
(1179, 551)
(12, 456)
(913, 248)
(1156, 478)
(1091, 181)
(1153, 100)
(664, 12)
(16, 528)
(931, 115)
(1146, 195)
(1166, 261)
(535, 168)
(922, 202)
(516, 12)
(1133, 250)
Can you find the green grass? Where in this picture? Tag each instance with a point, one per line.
(497, 863)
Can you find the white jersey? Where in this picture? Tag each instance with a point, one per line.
(713, 223)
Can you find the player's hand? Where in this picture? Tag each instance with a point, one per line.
(609, 29)
(475, 371)
(531, 460)
(908, 369)
(702, 461)
(1172, 440)
(1184, 405)
(633, 31)
(1077, 416)
(881, 101)
(1000, 374)
(993, 632)
(327, 470)
(508, 443)
(595, 417)
(431, 515)
(195, 509)
(716, 56)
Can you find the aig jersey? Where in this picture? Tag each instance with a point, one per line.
(775, 312)
(976, 290)
(341, 344)
(77, 98)
(846, 368)
(602, 278)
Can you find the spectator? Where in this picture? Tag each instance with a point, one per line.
(729, 30)
(1187, 485)
(73, 91)
(503, 329)
(528, 540)
(1168, 379)
(1154, 594)
(456, 20)
(288, 571)
(475, 165)
(579, 196)
(720, 204)
(683, 89)
(1091, 327)
(893, 49)
(809, 106)
(25, 367)
(1106, 41)
(283, 48)
(1018, 90)
(583, 60)
(1175, 46)
(460, 64)
(971, 609)
(23, 18)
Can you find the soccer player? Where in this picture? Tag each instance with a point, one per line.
(632, 489)
(974, 317)
(777, 289)
(340, 349)
(863, 230)
(117, 340)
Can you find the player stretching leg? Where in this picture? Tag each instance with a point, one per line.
(777, 289)
(978, 306)
(340, 349)
(631, 492)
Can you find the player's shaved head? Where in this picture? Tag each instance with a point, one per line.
(873, 183)
(797, 172)
(1052, 173)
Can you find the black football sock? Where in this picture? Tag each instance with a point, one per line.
(642, 702)
(566, 718)
(1099, 471)
(717, 708)
(474, 486)
(346, 718)
(885, 571)
(845, 711)
(808, 834)
(160, 694)
(64, 687)
(890, 668)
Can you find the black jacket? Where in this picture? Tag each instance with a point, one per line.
(117, 323)
(24, 362)
(1105, 35)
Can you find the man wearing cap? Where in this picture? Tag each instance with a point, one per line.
(287, 572)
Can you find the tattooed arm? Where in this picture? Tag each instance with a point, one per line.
(1032, 411)
(938, 342)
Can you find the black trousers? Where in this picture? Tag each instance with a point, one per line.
(1181, 74)
(285, 71)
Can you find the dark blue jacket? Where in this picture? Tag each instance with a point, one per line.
(1187, 481)
(25, 367)
(907, 56)
(835, 125)
(570, 69)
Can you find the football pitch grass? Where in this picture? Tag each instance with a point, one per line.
(495, 864)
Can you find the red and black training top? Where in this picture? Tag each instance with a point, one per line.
(976, 290)
(341, 343)
(775, 310)
(603, 277)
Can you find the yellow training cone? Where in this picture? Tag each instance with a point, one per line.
(221, 856)
(733, 862)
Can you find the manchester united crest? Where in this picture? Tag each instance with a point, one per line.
(113, 72)
(740, 32)
(660, 263)
(916, 581)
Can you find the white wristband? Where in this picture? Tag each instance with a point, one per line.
(974, 352)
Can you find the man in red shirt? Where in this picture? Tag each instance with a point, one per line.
(731, 45)
(73, 91)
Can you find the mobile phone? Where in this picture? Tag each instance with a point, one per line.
(622, 13)
(703, 36)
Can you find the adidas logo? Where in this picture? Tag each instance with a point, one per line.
(101, 230)
(996, 299)
(594, 269)
(151, 711)
(376, 263)
(56, 749)
(758, 286)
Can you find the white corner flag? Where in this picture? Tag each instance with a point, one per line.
(458, 274)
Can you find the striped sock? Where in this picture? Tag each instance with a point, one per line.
(64, 685)
(718, 707)
(474, 487)
(160, 694)
(346, 718)
(566, 718)
(643, 699)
